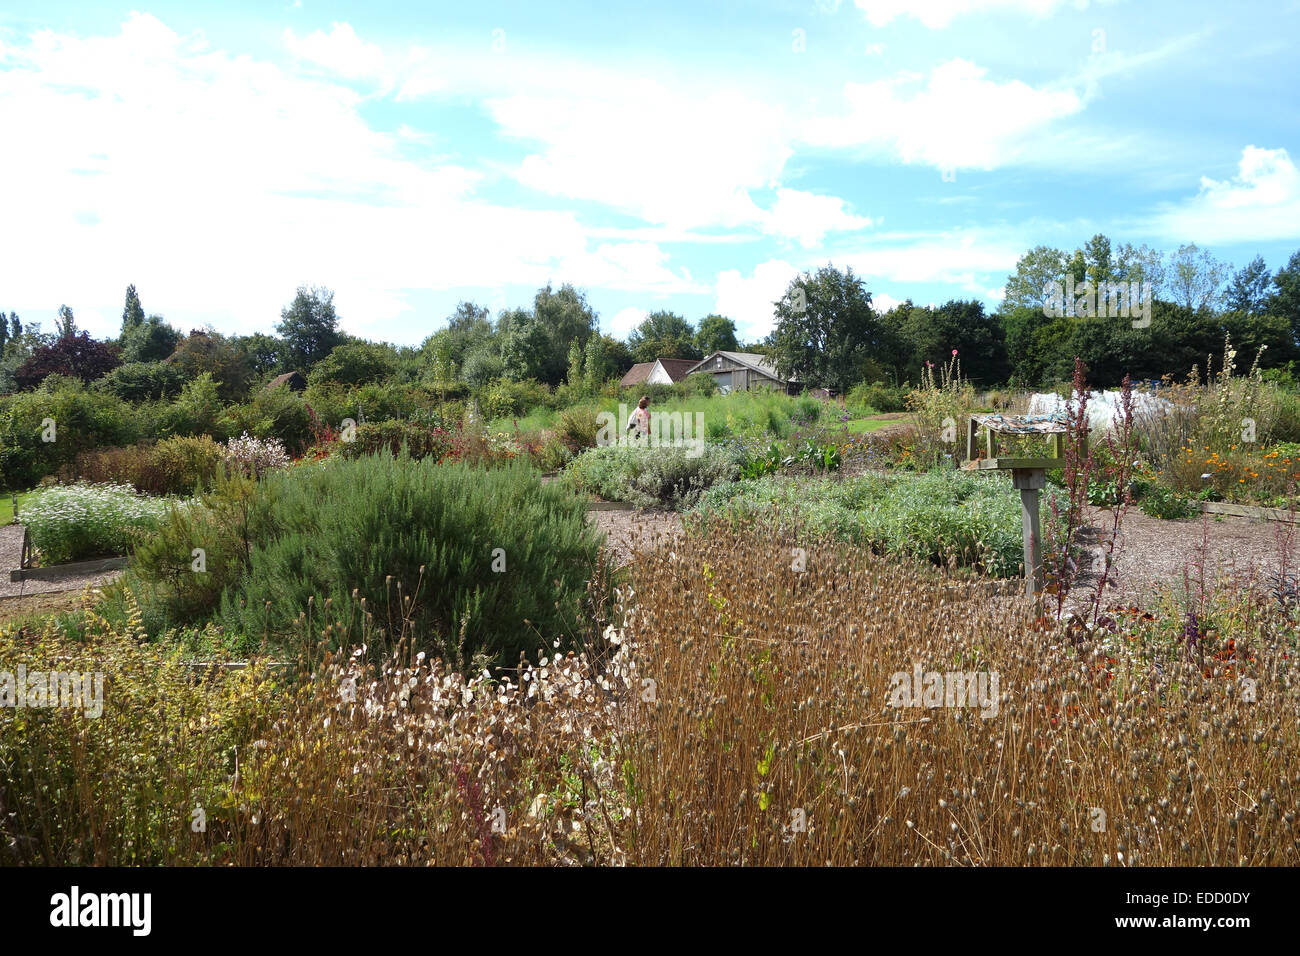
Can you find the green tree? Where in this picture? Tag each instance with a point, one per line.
(132, 314)
(266, 355)
(205, 350)
(356, 363)
(1248, 291)
(309, 327)
(66, 324)
(1285, 300)
(931, 335)
(149, 340)
(594, 370)
(1034, 270)
(662, 335)
(826, 330)
(1195, 277)
(562, 316)
(575, 365)
(716, 333)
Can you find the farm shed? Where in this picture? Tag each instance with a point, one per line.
(741, 371)
(662, 371)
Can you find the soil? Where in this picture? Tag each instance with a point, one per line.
(1151, 552)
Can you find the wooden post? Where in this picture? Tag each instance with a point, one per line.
(1029, 481)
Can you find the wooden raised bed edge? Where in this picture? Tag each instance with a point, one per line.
(75, 567)
(1247, 511)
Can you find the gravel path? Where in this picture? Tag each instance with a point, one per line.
(11, 553)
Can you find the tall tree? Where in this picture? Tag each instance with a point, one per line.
(132, 313)
(1248, 291)
(1195, 277)
(1034, 270)
(150, 340)
(662, 334)
(1285, 300)
(826, 330)
(716, 333)
(65, 326)
(309, 327)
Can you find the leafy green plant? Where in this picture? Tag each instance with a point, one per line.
(650, 477)
(1162, 502)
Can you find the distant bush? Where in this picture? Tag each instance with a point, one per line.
(577, 427)
(505, 399)
(355, 363)
(650, 477)
(416, 440)
(878, 397)
(175, 466)
(1159, 501)
(72, 522)
(77, 418)
(140, 381)
(278, 413)
(945, 517)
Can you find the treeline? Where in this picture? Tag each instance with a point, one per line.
(828, 335)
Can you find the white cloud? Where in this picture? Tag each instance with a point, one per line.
(965, 261)
(631, 266)
(959, 119)
(217, 183)
(882, 302)
(340, 51)
(936, 14)
(1260, 203)
(808, 217)
(343, 54)
(748, 300)
(671, 157)
(625, 320)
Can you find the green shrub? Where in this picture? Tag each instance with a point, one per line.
(943, 516)
(397, 437)
(76, 418)
(366, 535)
(139, 381)
(162, 577)
(273, 413)
(506, 399)
(878, 397)
(72, 522)
(184, 464)
(577, 427)
(196, 411)
(808, 409)
(1158, 501)
(650, 477)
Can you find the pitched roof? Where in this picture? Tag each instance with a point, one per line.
(637, 374)
(294, 380)
(759, 363)
(677, 368)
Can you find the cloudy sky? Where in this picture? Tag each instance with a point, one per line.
(688, 155)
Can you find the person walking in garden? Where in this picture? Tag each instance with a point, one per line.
(640, 419)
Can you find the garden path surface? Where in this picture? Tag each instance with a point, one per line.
(11, 553)
(1153, 551)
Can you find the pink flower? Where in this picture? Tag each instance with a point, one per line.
(954, 351)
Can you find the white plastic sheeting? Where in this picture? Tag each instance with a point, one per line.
(1103, 407)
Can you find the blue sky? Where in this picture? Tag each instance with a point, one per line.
(690, 156)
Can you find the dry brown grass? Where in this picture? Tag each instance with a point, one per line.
(737, 699)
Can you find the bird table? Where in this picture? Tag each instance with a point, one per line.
(1028, 475)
